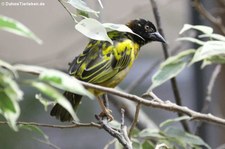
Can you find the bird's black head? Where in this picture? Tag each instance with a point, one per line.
(146, 30)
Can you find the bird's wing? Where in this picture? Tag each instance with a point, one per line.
(101, 61)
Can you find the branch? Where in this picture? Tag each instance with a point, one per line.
(74, 125)
(165, 105)
(121, 134)
(166, 55)
(216, 21)
(144, 120)
(47, 143)
(134, 123)
(212, 81)
(159, 26)
(208, 99)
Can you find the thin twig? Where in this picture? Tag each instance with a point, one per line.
(158, 23)
(216, 21)
(48, 143)
(212, 81)
(124, 130)
(166, 55)
(135, 121)
(144, 119)
(208, 99)
(75, 125)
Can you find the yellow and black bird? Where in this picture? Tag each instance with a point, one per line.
(107, 65)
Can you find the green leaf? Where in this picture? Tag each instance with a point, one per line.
(119, 27)
(40, 132)
(214, 36)
(34, 129)
(202, 28)
(147, 145)
(115, 124)
(218, 59)
(10, 95)
(161, 146)
(81, 13)
(166, 73)
(64, 81)
(9, 67)
(9, 109)
(184, 137)
(117, 145)
(10, 87)
(29, 69)
(56, 96)
(171, 121)
(13, 26)
(194, 40)
(56, 78)
(136, 144)
(43, 101)
(150, 133)
(93, 29)
(135, 132)
(81, 5)
(209, 49)
(171, 68)
(6, 104)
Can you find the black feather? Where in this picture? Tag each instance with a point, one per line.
(62, 114)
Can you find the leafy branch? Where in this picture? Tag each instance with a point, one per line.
(155, 102)
(173, 80)
(165, 105)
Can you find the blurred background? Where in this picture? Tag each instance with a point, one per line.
(61, 43)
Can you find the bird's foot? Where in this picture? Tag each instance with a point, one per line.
(107, 113)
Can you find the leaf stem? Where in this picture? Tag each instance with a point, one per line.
(61, 2)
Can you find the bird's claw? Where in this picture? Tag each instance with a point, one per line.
(107, 113)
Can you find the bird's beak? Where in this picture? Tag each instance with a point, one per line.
(157, 37)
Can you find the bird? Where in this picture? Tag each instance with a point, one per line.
(106, 64)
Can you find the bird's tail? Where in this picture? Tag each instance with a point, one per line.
(62, 114)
